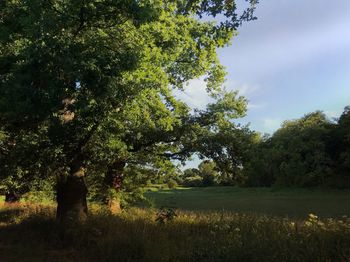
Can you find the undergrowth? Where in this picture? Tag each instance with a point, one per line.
(30, 233)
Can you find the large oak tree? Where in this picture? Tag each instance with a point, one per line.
(71, 73)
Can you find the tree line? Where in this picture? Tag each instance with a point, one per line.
(313, 151)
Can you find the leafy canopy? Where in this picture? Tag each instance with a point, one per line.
(89, 81)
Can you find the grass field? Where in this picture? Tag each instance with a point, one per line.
(206, 228)
(294, 203)
(30, 233)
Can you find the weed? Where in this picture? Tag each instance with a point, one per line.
(165, 214)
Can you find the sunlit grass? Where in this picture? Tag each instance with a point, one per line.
(31, 232)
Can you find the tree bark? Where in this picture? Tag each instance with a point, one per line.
(11, 197)
(71, 196)
(114, 179)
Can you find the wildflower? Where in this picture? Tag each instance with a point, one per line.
(307, 223)
(321, 224)
(312, 216)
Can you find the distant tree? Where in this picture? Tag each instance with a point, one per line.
(208, 172)
(171, 183)
(190, 172)
(295, 156)
(229, 148)
(191, 178)
(258, 168)
(338, 146)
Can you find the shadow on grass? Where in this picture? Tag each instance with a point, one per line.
(135, 236)
(8, 215)
(32, 237)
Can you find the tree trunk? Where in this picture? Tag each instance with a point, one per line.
(71, 197)
(114, 205)
(11, 197)
(114, 180)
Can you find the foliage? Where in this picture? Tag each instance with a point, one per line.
(338, 148)
(172, 183)
(208, 173)
(312, 151)
(134, 179)
(86, 84)
(193, 181)
(205, 175)
(41, 191)
(307, 152)
(229, 148)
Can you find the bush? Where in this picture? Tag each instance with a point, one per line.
(172, 183)
(193, 181)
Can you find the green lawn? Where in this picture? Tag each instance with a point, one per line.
(295, 203)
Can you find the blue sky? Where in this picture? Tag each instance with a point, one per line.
(293, 60)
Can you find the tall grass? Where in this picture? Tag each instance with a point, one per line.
(31, 234)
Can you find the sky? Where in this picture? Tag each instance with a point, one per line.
(293, 60)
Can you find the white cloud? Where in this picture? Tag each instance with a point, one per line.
(194, 94)
(244, 89)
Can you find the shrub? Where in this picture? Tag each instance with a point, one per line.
(172, 183)
(193, 181)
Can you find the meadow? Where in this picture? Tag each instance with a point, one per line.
(293, 203)
(29, 231)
